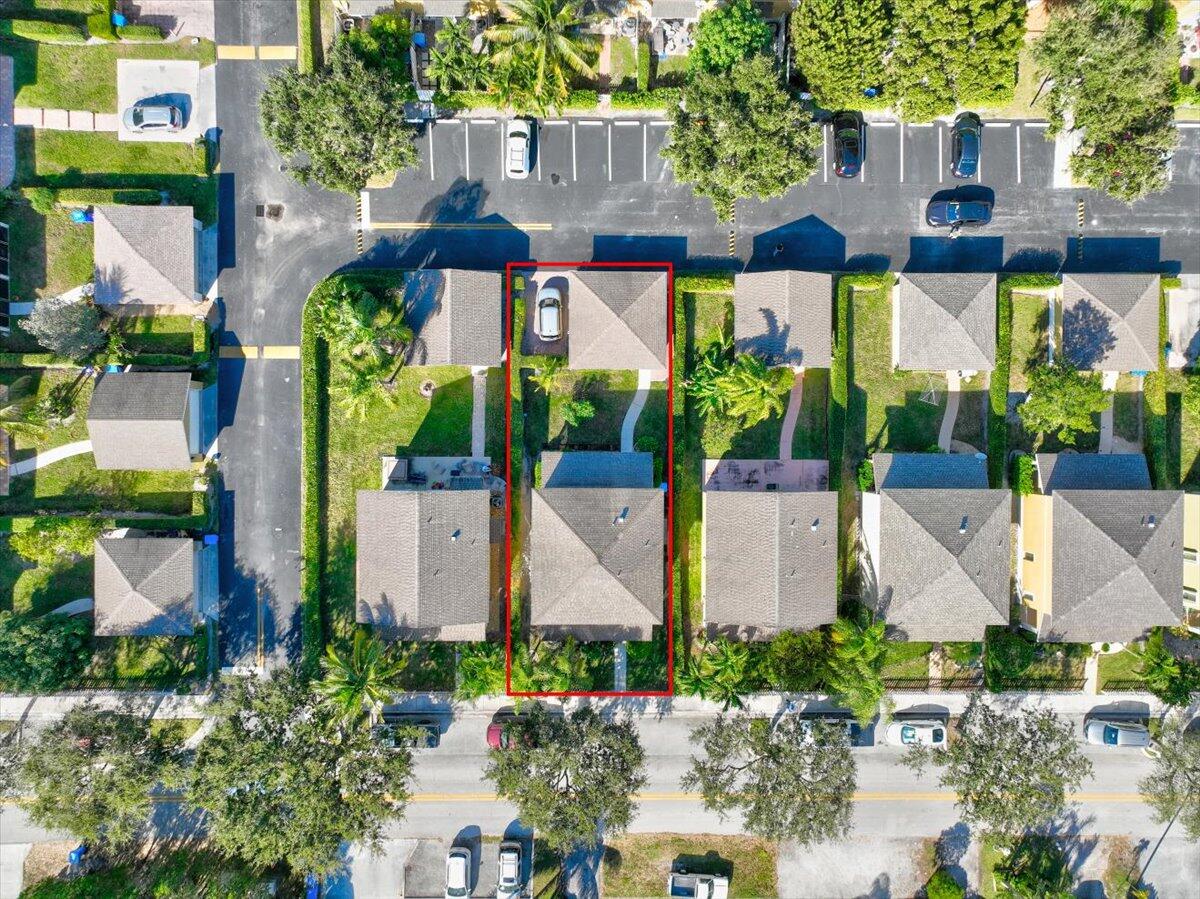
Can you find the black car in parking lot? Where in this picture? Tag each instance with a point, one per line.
(966, 138)
(847, 144)
(957, 212)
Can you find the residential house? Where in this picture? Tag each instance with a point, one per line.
(153, 586)
(423, 567)
(146, 258)
(944, 322)
(146, 421)
(597, 560)
(1102, 555)
(785, 317)
(617, 319)
(1110, 322)
(939, 543)
(455, 317)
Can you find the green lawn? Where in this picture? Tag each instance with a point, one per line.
(27, 587)
(638, 864)
(1127, 409)
(62, 76)
(610, 392)
(669, 72)
(623, 67)
(1118, 666)
(1022, 105)
(158, 333)
(49, 253)
(968, 425)
(1183, 427)
(725, 438)
(40, 382)
(1028, 337)
(907, 659)
(896, 418)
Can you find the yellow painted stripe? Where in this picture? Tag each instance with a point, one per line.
(281, 352)
(239, 352)
(276, 51)
(235, 51)
(460, 226)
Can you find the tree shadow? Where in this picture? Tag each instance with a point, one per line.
(1087, 334)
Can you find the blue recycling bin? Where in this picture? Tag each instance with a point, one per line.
(119, 20)
(75, 856)
(81, 216)
(211, 539)
(418, 39)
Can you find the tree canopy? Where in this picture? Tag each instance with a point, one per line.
(538, 49)
(67, 327)
(840, 46)
(361, 678)
(1062, 401)
(40, 654)
(278, 754)
(727, 34)
(794, 780)
(340, 125)
(91, 772)
(854, 666)
(1173, 786)
(1113, 79)
(740, 134)
(1035, 869)
(567, 775)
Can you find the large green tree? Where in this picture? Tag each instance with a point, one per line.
(1172, 788)
(568, 775)
(717, 672)
(41, 653)
(67, 327)
(1171, 678)
(91, 772)
(742, 387)
(1035, 868)
(1113, 75)
(1062, 401)
(340, 125)
(840, 46)
(547, 43)
(727, 34)
(284, 778)
(793, 780)
(740, 134)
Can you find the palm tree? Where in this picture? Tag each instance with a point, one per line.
(345, 320)
(717, 673)
(23, 417)
(480, 671)
(754, 391)
(364, 677)
(856, 663)
(357, 392)
(545, 378)
(547, 33)
(704, 386)
(453, 63)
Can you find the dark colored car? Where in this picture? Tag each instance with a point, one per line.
(847, 145)
(413, 731)
(966, 138)
(955, 214)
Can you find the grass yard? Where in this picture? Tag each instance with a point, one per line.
(40, 382)
(75, 485)
(28, 587)
(669, 72)
(969, 423)
(1022, 105)
(1183, 426)
(610, 392)
(74, 76)
(48, 254)
(157, 333)
(149, 661)
(896, 419)
(1127, 409)
(623, 66)
(907, 660)
(1117, 666)
(1028, 337)
(724, 438)
(638, 864)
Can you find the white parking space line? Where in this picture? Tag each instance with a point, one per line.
(429, 133)
(645, 171)
(920, 124)
(502, 165)
(626, 123)
(1187, 124)
(825, 153)
(574, 169)
(997, 124)
(538, 162)
(610, 152)
(1018, 133)
(979, 165)
(941, 140)
(883, 124)
(901, 152)
(467, 139)
(1037, 124)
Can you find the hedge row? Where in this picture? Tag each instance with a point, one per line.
(314, 445)
(37, 30)
(704, 282)
(99, 196)
(1157, 445)
(99, 24)
(142, 33)
(643, 66)
(658, 98)
(306, 51)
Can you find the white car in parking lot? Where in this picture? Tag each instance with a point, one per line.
(518, 148)
(458, 873)
(1099, 732)
(922, 733)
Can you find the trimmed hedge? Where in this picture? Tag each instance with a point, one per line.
(643, 66)
(99, 25)
(839, 385)
(659, 98)
(584, 99)
(35, 360)
(314, 443)
(142, 33)
(37, 30)
(306, 51)
(1163, 469)
(99, 196)
(704, 282)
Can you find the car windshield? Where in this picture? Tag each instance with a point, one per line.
(969, 144)
(1111, 735)
(952, 212)
(908, 734)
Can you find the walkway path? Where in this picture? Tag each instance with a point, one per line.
(478, 413)
(629, 425)
(75, 607)
(65, 119)
(1106, 417)
(953, 395)
(50, 456)
(788, 434)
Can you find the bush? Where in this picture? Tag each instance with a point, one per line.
(726, 35)
(41, 654)
(144, 33)
(1007, 656)
(796, 661)
(659, 98)
(37, 30)
(41, 199)
(99, 24)
(866, 476)
(50, 541)
(943, 886)
(314, 392)
(1023, 481)
(643, 66)
(582, 99)
(96, 196)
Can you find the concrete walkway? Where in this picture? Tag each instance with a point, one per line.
(629, 425)
(478, 413)
(65, 119)
(620, 666)
(8, 135)
(788, 433)
(1109, 380)
(49, 457)
(953, 395)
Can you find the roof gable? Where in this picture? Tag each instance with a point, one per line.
(786, 317)
(137, 421)
(145, 255)
(144, 586)
(616, 319)
(947, 322)
(455, 316)
(1092, 471)
(1110, 322)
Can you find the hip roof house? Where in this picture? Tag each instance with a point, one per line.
(1110, 322)
(455, 316)
(144, 421)
(423, 568)
(786, 317)
(146, 256)
(617, 319)
(944, 322)
(145, 586)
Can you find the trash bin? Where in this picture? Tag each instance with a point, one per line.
(81, 216)
(118, 20)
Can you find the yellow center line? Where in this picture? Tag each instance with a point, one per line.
(238, 352)
(235, 51)
(461, 226)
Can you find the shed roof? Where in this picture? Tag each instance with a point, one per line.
(947, 322)
(137, 421)
(145, 586)
(786, 317)
(144, 255)
(1110, 322)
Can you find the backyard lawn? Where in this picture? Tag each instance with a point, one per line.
(28, 587)
(623, 65)
(1116, 667)
(969, 423)
(171, 334)
(1127, 409)
(49, 255)
(1029, 321)
(907, 659)
(40, 382)
(149, 661)
(1183, 426)
(638, 864)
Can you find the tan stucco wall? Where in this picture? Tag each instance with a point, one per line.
(1037, 531)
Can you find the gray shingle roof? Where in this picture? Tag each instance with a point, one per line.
(455, 315)
(596, 562)
(944, 562)
(770, 562)
(785, 317)
(1117, 564)
(145, 254)
(946, 322)
(137, 421)
(144, 586)
(445, 8)
(423, 565)
(597, 469)
(617, 319)
(1092, 471)
(673, 9)
(936, 470)
(1110, 322)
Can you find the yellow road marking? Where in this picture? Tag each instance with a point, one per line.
(861, 796)
(276, 51)
(281, 352)
(239, 352)
(461, 226)
(235, 51)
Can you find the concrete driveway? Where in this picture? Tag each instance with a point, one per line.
(12, 865)
(173, 82)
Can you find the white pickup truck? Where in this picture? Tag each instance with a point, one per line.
(697, 886)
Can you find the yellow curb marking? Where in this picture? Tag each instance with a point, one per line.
(235, 51)
(863, 796)
(461, 226)
(276, 51)
(281, 352)
(239, 352)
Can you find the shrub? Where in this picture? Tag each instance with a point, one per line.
(866, 476)
(53, 540)
(144, 33)
(41, 199)
(99, 24)
(643, 66)
(726, 35)
(998, 390)
(37, 30)
(796, 661)
(41, 654)
(943, 886)
(1007, 656)
(1022, 474)
(97, 196)
(582, 99)
(658, 98)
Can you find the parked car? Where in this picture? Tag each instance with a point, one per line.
(547, 324)
(504, 730)
(153, 118)
(518, 148)
(510, 881)
(1099, 732)
(458, 873)
(412, 731)
(966, 137)
(847, 145)
(957, 213)
(697, 886)
(925, 733)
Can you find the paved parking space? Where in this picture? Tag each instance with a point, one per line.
(657, 137)
(163, 82)
(1186, 165)
(1037, 156)
(629, 147)
(484, 149)
(591, 150)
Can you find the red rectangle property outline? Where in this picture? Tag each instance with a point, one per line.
(669, 469)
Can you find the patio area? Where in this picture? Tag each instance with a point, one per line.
(758, 475)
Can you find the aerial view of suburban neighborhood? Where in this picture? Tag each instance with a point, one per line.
(565, 449)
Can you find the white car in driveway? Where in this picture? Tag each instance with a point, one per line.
(547, 322)
(458, 873)
(518, 148)
(1124, 734)
(917, 733)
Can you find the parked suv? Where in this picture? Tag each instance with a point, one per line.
(847, 144)
(547, 323)
(1099, 732)
(518, 148)
(153, 118)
